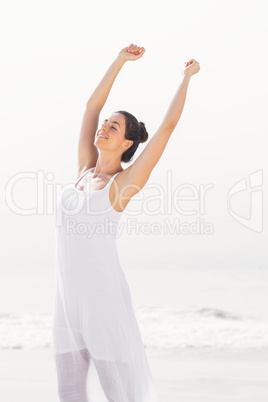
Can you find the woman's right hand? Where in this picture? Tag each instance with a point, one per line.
(132, 52)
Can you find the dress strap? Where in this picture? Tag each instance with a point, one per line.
(113, 177)
(108, 185)
(83, 174)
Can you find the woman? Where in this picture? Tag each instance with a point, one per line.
(97, 346)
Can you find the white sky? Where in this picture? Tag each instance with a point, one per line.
(53, 55)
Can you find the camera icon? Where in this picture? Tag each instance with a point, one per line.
(252, 189)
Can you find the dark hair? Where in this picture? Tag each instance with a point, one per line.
(136, 132)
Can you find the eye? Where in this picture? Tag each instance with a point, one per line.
(113, 127)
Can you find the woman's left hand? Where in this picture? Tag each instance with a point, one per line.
(191, 67)
(132, 52)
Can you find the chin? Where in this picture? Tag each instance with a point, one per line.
(98, 143)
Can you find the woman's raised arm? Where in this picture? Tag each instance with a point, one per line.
(136, 176)
(87, 152)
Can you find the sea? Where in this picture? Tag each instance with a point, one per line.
(177, 309)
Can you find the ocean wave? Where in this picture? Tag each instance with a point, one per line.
(162, 329)
(195, 327)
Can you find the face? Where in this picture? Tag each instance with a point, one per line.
(111, 135)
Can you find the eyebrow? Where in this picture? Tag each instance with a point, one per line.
(113, 122)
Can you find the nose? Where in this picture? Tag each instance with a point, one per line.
(104, 126)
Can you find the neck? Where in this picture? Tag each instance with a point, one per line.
(107, 164)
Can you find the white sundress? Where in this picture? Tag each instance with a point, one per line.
(92, 307)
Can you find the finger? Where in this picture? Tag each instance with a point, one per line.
(137, 49)
(134, 51)
(141, 54)
(132, 48)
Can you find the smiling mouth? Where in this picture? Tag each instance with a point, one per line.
(101, 136)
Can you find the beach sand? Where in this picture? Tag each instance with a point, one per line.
(29, 375)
